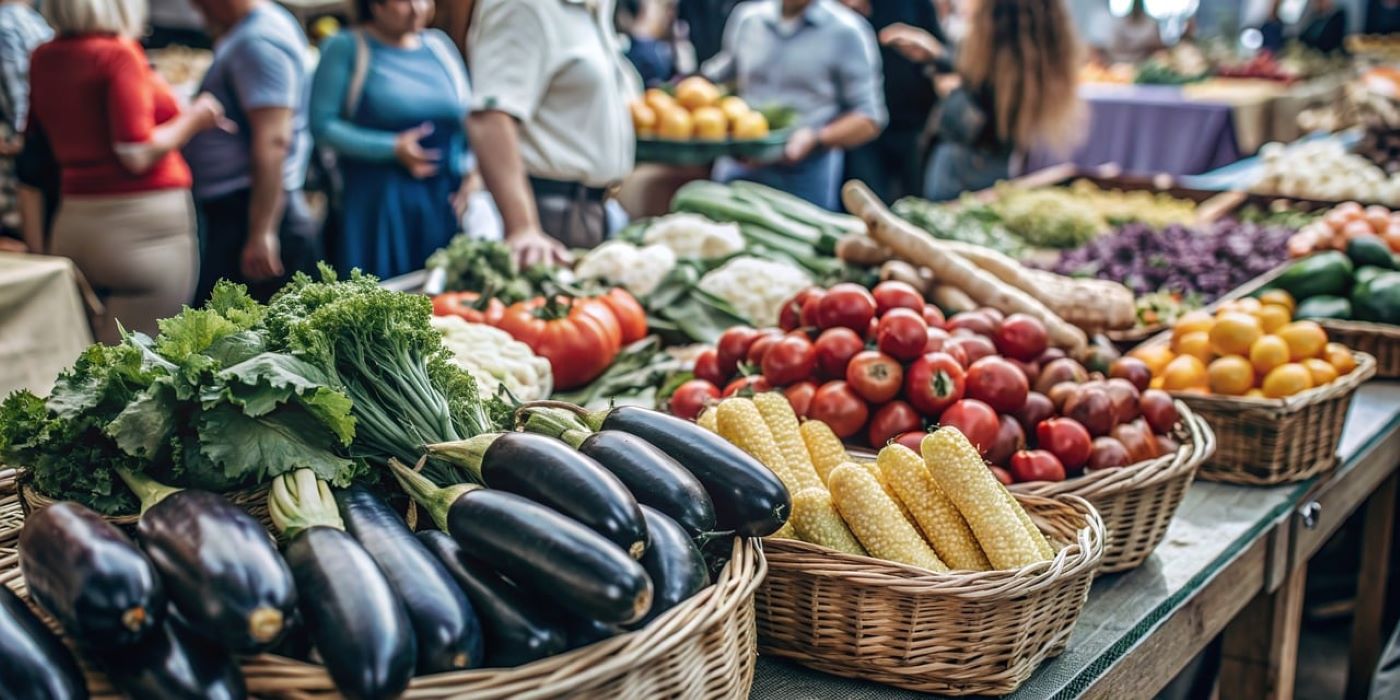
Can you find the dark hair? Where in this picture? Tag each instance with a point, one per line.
(359, 10)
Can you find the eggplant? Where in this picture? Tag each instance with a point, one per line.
(583, 632)
(675, 565)
(651, 475)
(90, 577)
(517, 631)
(34, 663)
(444, 621)
(551, 473)
(537, 548)
(748, 498)
(174, 663)
(219, 568)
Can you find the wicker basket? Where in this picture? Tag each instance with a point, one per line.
(952, 633)
(11, 513)
(253, 500)
(1262, 442)
(1137, 502)
(703, 649)
(1379, 340)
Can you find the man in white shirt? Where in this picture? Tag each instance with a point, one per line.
(549, 122)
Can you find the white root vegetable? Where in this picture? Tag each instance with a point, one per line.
(858, 249)
(951, 299)
(918, 248)
(901, 271)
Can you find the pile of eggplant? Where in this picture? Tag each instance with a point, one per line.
(585, 528)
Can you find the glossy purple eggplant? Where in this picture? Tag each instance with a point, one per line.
(34, 663)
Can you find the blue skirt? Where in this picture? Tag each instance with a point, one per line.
(392, 222)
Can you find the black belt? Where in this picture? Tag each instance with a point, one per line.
(568, 190)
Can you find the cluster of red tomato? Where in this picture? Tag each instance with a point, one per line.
(882, 365)
(579, 336)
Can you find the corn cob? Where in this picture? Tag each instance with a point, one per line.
(740, 423)
(782, 422)
(786, 532)
(935, 514)
(958, 470)
(876, 521)
(824, 448)
(816, 520)
(709, 420)
(874, 470)
(1041, 544)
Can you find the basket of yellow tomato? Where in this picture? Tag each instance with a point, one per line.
(694, 123)
(1275, 390)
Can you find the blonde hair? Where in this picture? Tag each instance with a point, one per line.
(1025, 54)
(124, 17)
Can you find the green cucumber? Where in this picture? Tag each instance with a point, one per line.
(1323, 306)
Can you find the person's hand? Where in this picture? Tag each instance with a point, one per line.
(911, 42)
(534, 247)
(800, 145)
(12, 245)
(418, 161)
(945, 84)
(461, 200)
(208, 113)
(262, 258)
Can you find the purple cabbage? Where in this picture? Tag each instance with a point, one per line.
(1208, 261)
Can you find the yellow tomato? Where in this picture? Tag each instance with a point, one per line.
(658, 100)
(1234, 332)
(696, 92)
(1273, 317)
(1155, 357)
(1278, 297)
(1287, 380)
(710, 124)
(1196, 344)
(1185, 372)
(676, 125)
(1339, 356)
(1322, 372)
(1305, 339)
(1231, 375)
(733, 107)
(752, 125)
(1156, 383)
(1267, 353)
(643, 118)
(1191, 322)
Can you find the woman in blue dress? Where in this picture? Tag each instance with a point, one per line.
(389, 99)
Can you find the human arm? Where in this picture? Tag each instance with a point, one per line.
(497, 140)
(862, 95)
(270, 144)
(329, 89)
(139, 143)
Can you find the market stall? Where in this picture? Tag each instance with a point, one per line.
(44, 326)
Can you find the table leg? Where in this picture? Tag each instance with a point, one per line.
(1366, 633)
(1259, 658)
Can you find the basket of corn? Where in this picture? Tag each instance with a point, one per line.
(917, 571)
(1137, 502)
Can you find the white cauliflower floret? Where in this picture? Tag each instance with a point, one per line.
(640, 270)
(756, 288)
(694, 236)
(494, 359)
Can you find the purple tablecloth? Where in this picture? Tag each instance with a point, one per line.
(1151, 129)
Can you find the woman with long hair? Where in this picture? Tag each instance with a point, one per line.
(1014, 91)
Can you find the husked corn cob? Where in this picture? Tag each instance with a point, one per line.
(1041, 543)
(876, 521)
(958, 470)
(942, 524)
(709, 420)
(874, 470)
(782, 422)
(740, 423)
(825, 449)
(816, 520)
(786, 532)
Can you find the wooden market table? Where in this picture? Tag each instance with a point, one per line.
(1233, 562)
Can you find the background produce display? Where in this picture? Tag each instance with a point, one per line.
(696, 109)
(1324, 169)
(1348, 220)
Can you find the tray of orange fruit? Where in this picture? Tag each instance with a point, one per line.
(1275, 390)
(694, 123)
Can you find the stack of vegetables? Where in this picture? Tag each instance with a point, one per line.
(1344, 223)
(1324, 169)
(1362, 284)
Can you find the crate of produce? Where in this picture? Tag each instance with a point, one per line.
(11, 512)
(694, 123)
(1137, 502)
(1379, 340)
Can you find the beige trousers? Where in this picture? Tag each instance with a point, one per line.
(138, 251)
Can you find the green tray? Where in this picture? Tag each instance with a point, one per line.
(700, 152)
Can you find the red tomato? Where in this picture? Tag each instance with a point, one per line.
(1066, 439)
(974, 347)
(1010, 439)
(893, 294)
(800, 396)
(1023, 337)
(936, 338)
(1002, 475)
(935, 381)
(578, 346)
(933, 316)
(913, 440)
(630, 314)
(840, 408)
(1036, 465)
(872, 329)
(875, 376)
(690, 398)
(469, 306)
(811, 309)
(846, 305)
(790, 317)
(902, 334)
(733, 347)
(976, 321)
(999, 383)
(766, 339)
(893, 419)
(835, 348)
(707, 367)
(1160, 412)
(790, 360)
(976, 420)
(606, 318)
(747, 386)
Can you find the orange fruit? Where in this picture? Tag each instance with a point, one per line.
(1340, 357)
(1322, 371)
(658, 100)
(1255, 393)
(1305, 339)
(710, 124)
(1273, 317)
(752, 125)
(643, 117)
(1196, 344)
(1185, 372)
(1267, 353)
(734, 107)
(696, 92)
(1191, 322)
(1231, 375)
(1287, 380)
(1234, 332)
(676, 125)
(1278, 297)
(1155, 357)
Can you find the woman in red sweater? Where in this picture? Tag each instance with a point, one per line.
(126, 219)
